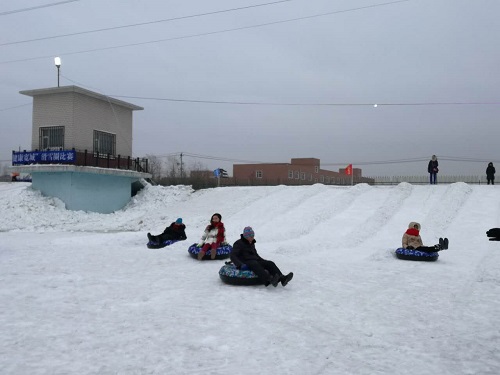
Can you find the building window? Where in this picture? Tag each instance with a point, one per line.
(258, 174)
(327, 180)
(303, 176)
(104, 143)
(290, 174)
(310, 176)
(321, 178)
(51, 137)
(316, 169)
(297, 175)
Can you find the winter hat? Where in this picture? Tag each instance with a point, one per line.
(248, 232)
(413, 224)
(178, 221)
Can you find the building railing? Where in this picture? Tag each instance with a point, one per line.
(79, 158)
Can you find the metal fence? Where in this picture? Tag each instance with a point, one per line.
(80, 158)
(423, 180)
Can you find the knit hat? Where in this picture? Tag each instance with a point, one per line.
(178, 221)
(248, 232)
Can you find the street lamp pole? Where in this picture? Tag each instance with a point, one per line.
(57, 61)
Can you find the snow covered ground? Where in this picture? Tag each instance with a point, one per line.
(81, 294)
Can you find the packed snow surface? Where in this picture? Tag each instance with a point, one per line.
(82, 294)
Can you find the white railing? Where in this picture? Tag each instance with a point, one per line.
(441, 179)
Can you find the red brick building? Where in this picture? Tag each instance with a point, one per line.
(300, 171)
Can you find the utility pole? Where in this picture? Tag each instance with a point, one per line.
(181, 166)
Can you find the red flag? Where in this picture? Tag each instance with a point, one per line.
(348, 170)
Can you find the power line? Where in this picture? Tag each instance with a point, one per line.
(17, 106)
(306, 104)
(206, 157)
(203, 34)
(144, 23)
(36, 7)
(412, 160)
(343, 164)
(271, 103)
(289, 104)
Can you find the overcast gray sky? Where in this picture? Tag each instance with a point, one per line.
(409, 57)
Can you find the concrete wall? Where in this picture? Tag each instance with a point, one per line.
(93, 114)
(53, 110)
(80, 115)
(85, 191)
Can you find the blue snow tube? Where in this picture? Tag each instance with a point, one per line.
(156, 245)
(410, 254)
(244, 276)
(222, 252)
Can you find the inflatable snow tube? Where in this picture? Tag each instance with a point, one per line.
(156, 245)
(409, 254)
(222, 252)
(231, 275)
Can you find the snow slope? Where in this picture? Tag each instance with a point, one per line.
(81, 293)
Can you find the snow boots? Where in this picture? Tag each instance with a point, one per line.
(152, 238)
(277, 278)
(286, 279)
(443, 244)
(273, 280)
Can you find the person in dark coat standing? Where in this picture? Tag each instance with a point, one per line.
(244, 253)
(174, 232)
(433, 169)
(490, 173)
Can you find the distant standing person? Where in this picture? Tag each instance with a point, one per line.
(433, 169)
(490, 173)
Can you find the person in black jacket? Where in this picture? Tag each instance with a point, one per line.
(433, 169)
(494, 233)
(174, 232)
(490, 173)
(244, 253)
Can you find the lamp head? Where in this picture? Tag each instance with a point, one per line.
(57, 61)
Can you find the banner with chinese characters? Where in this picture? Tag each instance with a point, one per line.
(44, 157)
